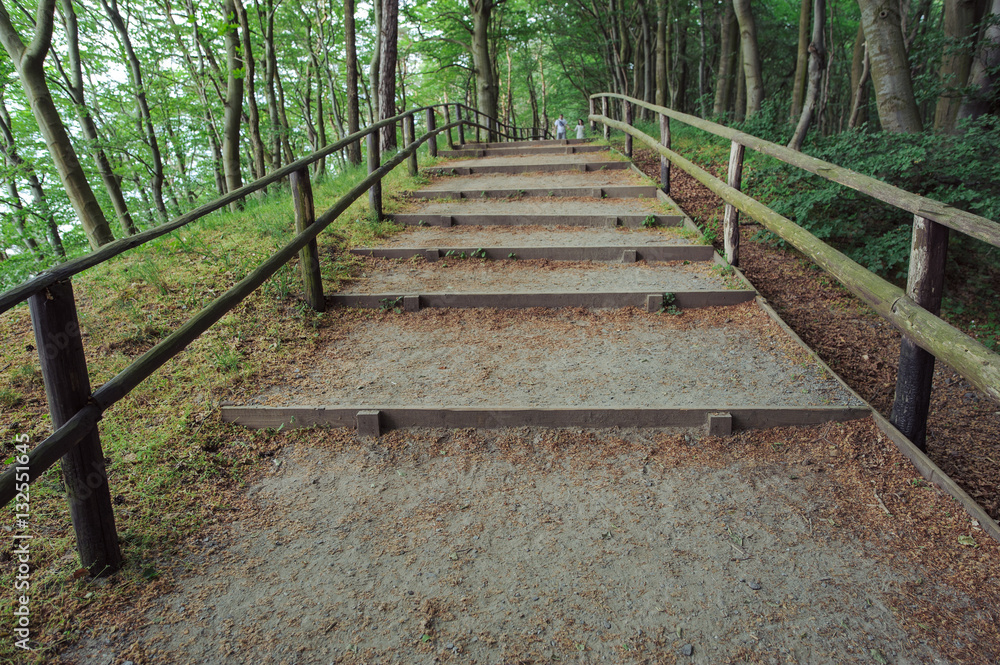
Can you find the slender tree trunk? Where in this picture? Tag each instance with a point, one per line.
(387, 71)
(375, 68)
(801, 64)
(661, 53)
(702, 61)
(860, 74)
(15, 163)
(257, 149)
(890, 70)
(29, 62)
(985, 73)
(817, 62)
(234, 104)
(142, 104)
(270, 88)
(679, 93)
(487, 88)
(74, 86)
(728, 47)
(960, 18)
(751, 56)
(286, 143)
(353, 120)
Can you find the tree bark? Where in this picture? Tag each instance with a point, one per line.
(142, 104)
(860, 74)
(234, 104)
(374, 67)
(801, 64)
(751, 56)
(487, 88)
(29, 62)
(817, 62)
(387, 71)
(960, 18)
(257, 149)
(661, 53)
(890, 70)
(353, 121)
(985, 73)
(728, 45)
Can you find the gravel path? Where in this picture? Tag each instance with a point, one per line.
(531, 236)
(471, 275)
(733, 356)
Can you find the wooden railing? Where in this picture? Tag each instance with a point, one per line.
(75, 410)
(913, 312)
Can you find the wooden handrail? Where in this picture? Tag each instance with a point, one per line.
(26, 289)
(46, 453)
(963, 353)
(544, 130)
(966, 222)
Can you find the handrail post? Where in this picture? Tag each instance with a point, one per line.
(731, 225)
(461, 127)
(479, 137)
(305, 216)
(447, 121)
(604, 112)
(628, 121)
(593, 123)
(67, 387)
(409, 136)
(664, 162)
(375, 192)
(924, 285)
(432, 146)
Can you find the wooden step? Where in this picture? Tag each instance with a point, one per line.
(474, 169)
(524, 150)
(463, 190)
(622, 254)
(605, 221)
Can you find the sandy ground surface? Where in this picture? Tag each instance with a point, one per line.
(518, 160)
(531, 236)
(554, 180)
(549, 546)
(717, 357)
(536, 206)
(456, 275)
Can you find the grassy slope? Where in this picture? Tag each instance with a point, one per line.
(172, 465)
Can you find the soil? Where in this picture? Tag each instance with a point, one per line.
(532, 236)
(963, 436)
(456, 275)
(555, 180)
(561, 358)
(536, 206)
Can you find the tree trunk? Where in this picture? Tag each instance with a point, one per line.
(135, 71)
(387, 71)
(751, 56)
(257, 149)
(702, 60)
(985, 71)
(890, 70)
(817, 62)
(374, 68)
(487, 88)
(661, 53)
(353, 121)
(29, 62)
(270, 87)
(728, 45)
(960, 18)
(860, 74)
(801, 64)
(234, 104)
(15, 164)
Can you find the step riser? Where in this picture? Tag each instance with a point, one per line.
(598, 221)
(642, 299)
(386, 418)
(510, 169)
(508, 152)
(472, 145)
(617, 254)
(623, 192)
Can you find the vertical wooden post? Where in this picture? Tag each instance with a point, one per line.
(479, 137)
(593, 123)
(924, 285)
(432, 145)
(67, 386)
(604, 112)
(305, 215)
(375, 193)
(731, 225)
(461, 127)
(409, 136)
(664, 162)
(628, 121)
(447, 121)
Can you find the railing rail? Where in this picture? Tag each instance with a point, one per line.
(908, 311)
(76, 411)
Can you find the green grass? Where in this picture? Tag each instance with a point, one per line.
(172, 463)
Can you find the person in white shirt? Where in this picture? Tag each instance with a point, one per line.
(580, 129)
(561, 127)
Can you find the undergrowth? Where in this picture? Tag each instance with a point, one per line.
(170, 459)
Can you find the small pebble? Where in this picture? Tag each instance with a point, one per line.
(607, 624)
(687, 650)
(449, 646)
